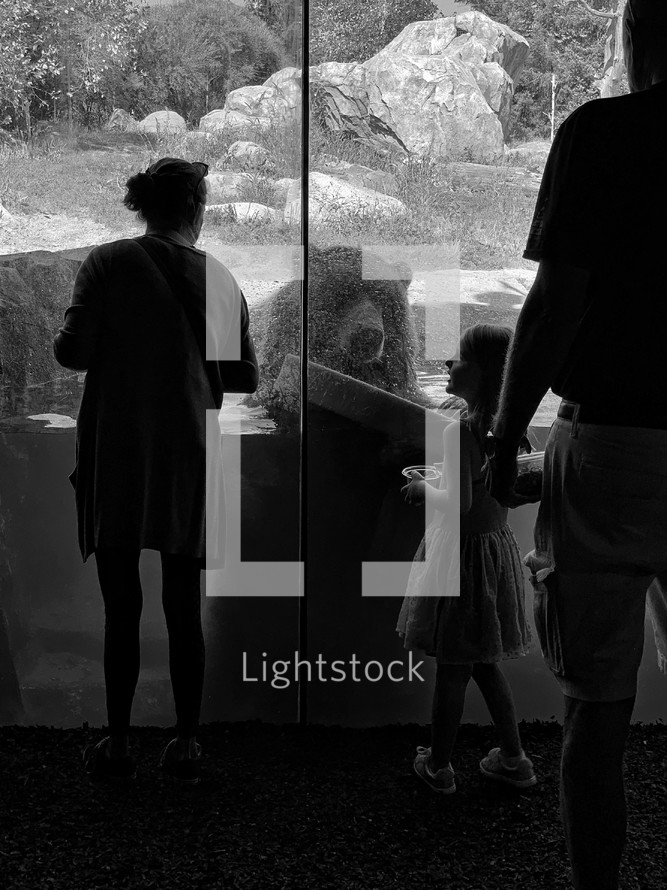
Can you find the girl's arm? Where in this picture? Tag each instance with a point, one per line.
(458, 448)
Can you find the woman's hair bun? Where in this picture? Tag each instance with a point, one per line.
(140, 195)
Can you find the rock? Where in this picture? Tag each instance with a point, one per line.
(505, 46)
(122, 121)
(244, 211)
(489, 176)
(193, 138)
(345, 99)
(281, 189)
(532, 155)
(248, 155)
(162, 122)
(5, 215)
(359, 326)
(494, 54)
(223, 119)
(439, 88)
(329, 198)
(223, 187)
(358, 174)
(35, 290)
(258, 109)
(437, 108)
(449, 35)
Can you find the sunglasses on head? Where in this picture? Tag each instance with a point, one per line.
(201, 168)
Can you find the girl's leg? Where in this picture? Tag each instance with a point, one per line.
(498, 697)
(451, 681)
(118, 573)
(181, 601)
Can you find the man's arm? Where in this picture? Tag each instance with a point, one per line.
(545, 331)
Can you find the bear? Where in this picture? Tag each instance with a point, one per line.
(360, 327)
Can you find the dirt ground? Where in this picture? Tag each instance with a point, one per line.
(305, 808)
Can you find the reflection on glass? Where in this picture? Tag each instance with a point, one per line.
(205, 81)
(405, 180)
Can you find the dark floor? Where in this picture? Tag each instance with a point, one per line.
(316, 807)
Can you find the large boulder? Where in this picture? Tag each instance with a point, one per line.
(223, 187)
(248, 155)
(35, 289)
(503, 45)
(359, 174)
(329, 198)
(122, 121)
(258, 109)
(346, 99)
(162, 122)
(495, 56)
(487, 55)
(441, 88)
(436, 108)
(244, 211)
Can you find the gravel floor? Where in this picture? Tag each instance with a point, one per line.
(316, 807)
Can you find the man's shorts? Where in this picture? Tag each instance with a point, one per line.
(600, 541)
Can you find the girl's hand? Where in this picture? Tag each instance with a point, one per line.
(415, 489)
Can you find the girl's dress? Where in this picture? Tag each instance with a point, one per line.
(480, 560)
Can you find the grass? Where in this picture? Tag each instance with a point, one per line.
(287, 807)
(83, 175)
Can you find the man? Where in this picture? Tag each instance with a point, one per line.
(594, 328)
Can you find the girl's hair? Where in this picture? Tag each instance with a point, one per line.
(488, 345)
(169, 192)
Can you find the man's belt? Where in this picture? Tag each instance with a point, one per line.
(619, 416)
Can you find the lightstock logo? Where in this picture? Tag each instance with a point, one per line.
(435, 295)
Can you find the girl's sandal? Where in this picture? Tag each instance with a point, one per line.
(99, 767)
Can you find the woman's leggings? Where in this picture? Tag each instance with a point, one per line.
(118, 573)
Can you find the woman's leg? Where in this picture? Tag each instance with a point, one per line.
(181, 600)
(118, 573)
(451, 681)
(498, 697)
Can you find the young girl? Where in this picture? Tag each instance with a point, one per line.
(469, 550)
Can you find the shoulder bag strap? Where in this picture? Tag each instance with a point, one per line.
(179, 299)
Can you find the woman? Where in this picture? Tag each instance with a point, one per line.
(145, 313)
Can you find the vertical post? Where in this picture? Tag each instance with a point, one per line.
(302, 695)
(70, 120)
(553, 103)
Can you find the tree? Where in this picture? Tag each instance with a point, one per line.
(350, 31)
(612, 82)
(94, 36)
(564, 41)
(28, 57)
(193, 53)
(50, 49)
(283, 17)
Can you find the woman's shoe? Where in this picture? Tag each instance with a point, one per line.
(441, 780)
(183, 769)
(100, 767)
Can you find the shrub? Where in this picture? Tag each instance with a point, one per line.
(192, 54)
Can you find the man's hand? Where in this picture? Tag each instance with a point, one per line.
(501, 476)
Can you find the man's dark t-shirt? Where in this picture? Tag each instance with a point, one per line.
(602, 206)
